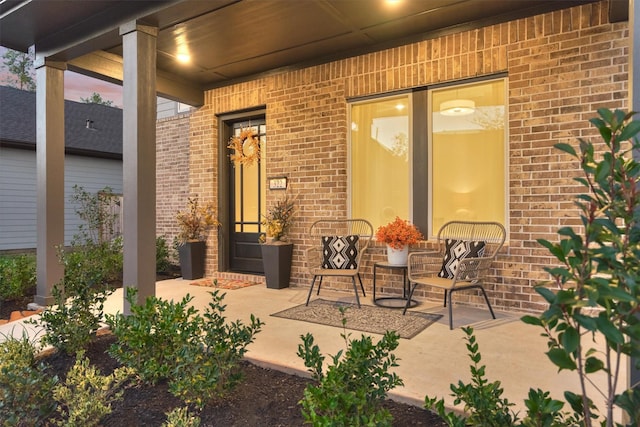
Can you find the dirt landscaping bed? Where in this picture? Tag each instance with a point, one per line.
(265, 397)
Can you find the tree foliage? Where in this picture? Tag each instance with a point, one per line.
(96, 98)
(20, 65)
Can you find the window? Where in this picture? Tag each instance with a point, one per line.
(380, 159)
(467, 166)
(449, 164)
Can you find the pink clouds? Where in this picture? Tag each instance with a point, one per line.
(76, 85)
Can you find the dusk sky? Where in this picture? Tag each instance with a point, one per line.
(76, 85)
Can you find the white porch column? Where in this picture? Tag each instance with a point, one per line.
(50, 175)
(139, 158)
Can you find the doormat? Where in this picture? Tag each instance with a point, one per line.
(223, 283)
(368, 318)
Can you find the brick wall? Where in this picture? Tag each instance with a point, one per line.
(172, 173)
(562, 66)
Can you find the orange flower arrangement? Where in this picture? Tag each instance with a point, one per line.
(398, 234)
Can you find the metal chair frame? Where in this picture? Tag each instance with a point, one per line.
(424, 266)
(337, 227)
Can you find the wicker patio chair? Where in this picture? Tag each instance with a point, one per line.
(461, 261)
(338, 249)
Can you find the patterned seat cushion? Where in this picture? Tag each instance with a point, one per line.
(456, 250)
(340, 252)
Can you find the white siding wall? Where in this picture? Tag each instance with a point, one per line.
(18, 193)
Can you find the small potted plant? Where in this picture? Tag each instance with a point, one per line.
(277, 251)
(195, 223)
(398, 235)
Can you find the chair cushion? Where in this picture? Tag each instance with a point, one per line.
(456, 250)
(340, 252)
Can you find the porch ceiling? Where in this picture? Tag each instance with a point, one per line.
(232, 40)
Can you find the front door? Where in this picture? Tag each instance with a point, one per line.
(246, 203)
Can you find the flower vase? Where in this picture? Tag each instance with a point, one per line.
(397, 256)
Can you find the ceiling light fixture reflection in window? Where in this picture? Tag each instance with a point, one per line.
(457, 107)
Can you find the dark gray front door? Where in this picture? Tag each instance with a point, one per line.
(246, 205)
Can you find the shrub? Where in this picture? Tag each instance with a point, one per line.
(72, 321)
(197, 354)
(150, 339)
(482, 399)
(95, 264)
(86, 395)
(352, 389)
(162, 254)
(17, 276)
(597, 281)
(209, 365)
(97, 213)
(26, 390)
(181, 417)
(599, 268)
(485, 406)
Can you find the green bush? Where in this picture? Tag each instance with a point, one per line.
(97, 215)
(181, 417)
(150, 339)
(86, 396)
(595, 291)
(71, 322)
(94, 264)
(17, 276)
(353, 388)
(197, 354)
(599, 268)
(26, 390)
(162, 254)
(483, 401)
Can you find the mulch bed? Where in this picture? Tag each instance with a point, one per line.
(265, 397)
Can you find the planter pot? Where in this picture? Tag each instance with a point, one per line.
(192, 256)
(276, 258)
(397, 256)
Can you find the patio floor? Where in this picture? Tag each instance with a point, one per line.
(429, 362)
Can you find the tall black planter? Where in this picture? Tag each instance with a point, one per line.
(192, 255)
(276, 259)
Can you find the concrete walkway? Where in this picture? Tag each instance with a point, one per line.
(512, 351)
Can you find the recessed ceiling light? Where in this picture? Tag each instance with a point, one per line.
(183, 58)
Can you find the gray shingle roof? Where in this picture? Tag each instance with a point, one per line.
(18, 124)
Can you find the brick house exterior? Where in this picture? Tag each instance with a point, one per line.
(561, 67)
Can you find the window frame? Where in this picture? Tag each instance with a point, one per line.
(410, 112)
(431, 234)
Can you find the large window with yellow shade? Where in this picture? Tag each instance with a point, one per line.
(467, 153)
(430, 156)
(380, 153)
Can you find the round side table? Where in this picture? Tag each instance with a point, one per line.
(384, 301)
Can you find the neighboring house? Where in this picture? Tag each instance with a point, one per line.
(93, 160)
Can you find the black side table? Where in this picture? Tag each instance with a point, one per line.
(405, 286)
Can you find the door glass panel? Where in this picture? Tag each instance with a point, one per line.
(248, 187)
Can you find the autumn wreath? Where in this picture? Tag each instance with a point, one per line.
(246, 147)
